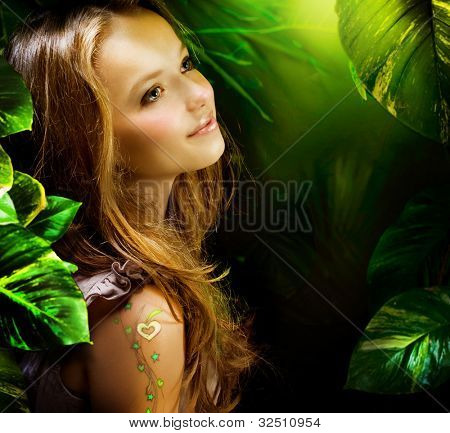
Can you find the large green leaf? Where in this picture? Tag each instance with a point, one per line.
(407, 347)
(6, 172)
(40, 304)
(13, 398)
(400, 50)
(413, 252)
(16, 107)
(8, 213)
(28, 196)
(55, 219)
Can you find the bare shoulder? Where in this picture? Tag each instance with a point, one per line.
(148, 296)
(151, 296)
(136, 362)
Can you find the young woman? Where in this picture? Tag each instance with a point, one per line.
(127, 125)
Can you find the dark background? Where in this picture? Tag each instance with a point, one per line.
(364, 166)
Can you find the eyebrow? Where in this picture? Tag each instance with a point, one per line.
(153, 74)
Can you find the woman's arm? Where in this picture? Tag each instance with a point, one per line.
(136, 363)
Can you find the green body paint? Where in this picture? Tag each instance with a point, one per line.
(154, 384)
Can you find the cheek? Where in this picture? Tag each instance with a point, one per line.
(151, 141)
(148, 128)
(158, 127)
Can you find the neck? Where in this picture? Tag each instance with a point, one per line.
(157, 192)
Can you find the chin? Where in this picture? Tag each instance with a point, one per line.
(219, 147)
(213, 153)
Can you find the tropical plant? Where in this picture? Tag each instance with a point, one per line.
(406, 346)
(399, 55)
(41, 306)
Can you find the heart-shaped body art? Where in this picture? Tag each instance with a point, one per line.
(153, 324)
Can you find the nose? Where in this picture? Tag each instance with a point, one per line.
(200, 95)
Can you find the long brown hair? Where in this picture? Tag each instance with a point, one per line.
(55, 52)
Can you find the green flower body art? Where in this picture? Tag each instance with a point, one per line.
(142, 329)
(147, 331)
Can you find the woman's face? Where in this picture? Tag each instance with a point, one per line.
(158, 99)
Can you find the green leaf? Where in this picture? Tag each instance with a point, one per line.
(16, 107)
(54, 220)
(6, 172)
(8, 213)
(41, 306)
(401, 53)
(407, 347)
(413, 252)
(28, 196)
(359, 85)
(71, 267)
(13, 398)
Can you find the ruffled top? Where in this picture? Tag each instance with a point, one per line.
(112, 284)
(41, 369)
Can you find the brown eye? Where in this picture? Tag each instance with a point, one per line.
(189, 60)
(152, 94)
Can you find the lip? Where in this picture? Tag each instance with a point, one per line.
(205, 127)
